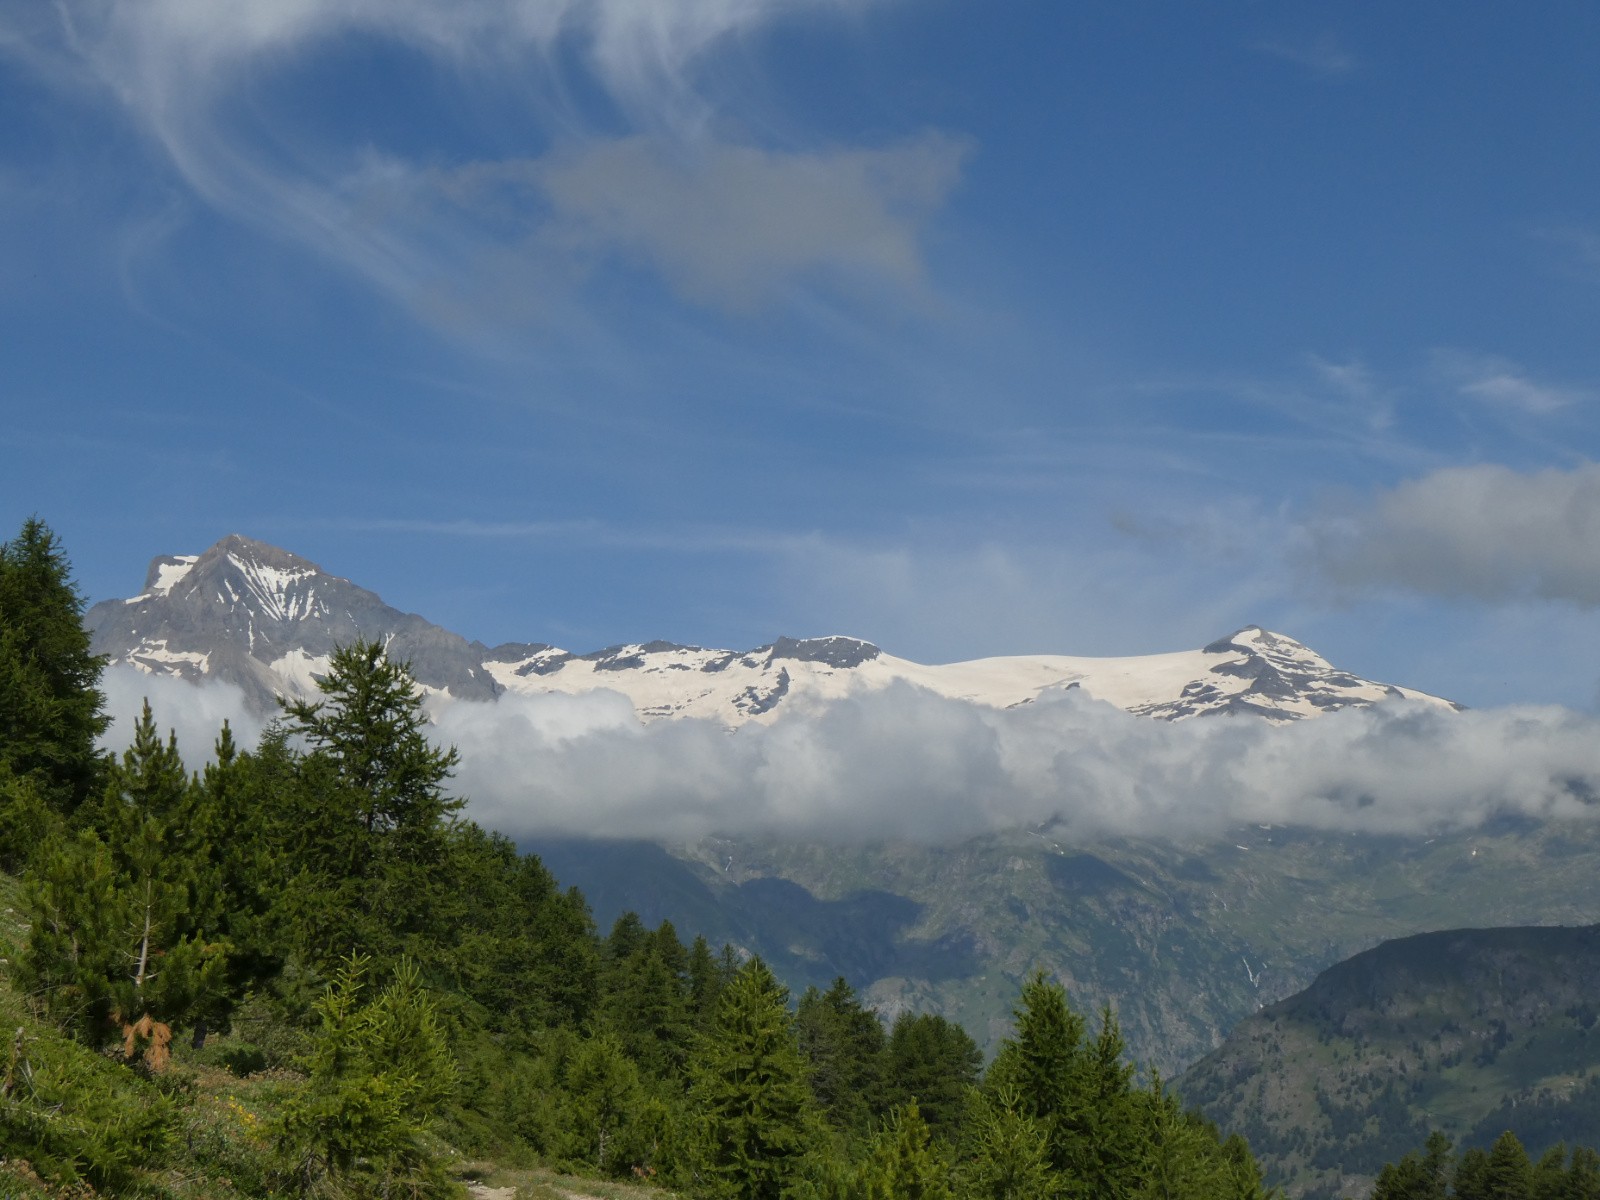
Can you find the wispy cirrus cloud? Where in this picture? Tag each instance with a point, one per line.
(1323, 54)
(1502, 383)
(724, 222)
(1579, 246)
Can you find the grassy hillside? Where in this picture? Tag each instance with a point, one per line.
(1469, 1031)
(1185, 939)
(197, 1131)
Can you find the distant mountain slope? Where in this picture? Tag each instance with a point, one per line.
(1472, 1031)
(1186, 939)
(267, 620)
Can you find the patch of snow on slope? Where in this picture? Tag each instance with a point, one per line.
(276, 591)
(169, 573)
(300, 671)
(154, 658)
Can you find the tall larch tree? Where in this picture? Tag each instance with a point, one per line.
(374, 817)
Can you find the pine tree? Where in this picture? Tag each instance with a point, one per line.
(1583, 1175)
(1471, 1178)
(51, 708)
(1437, 1164)
(1508, 1175)
(1008, 1153)
(140, 958)
(1110, 1142)
(233, 798)
(705, 982)
(749, 1090)
(1548, 1180)
(1046, 1063)
(646, 995)
(378, 1074)
(1181, 1157)
(604, 1093)
(845, 1048)
(904, 1163)
(935, 1062)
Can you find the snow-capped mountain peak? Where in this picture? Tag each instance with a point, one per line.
(269, 621)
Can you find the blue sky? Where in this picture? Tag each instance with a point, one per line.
(969, 329)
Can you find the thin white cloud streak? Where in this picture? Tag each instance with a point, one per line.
(905, 764)
(1580, 247)
(1486, 532)
(1498, 381)
(721, 223)
(1323, 55)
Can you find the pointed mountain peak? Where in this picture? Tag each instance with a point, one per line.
(252, 553)
(1254, 639)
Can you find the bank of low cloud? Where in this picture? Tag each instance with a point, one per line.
(194, 713)
(903, 763)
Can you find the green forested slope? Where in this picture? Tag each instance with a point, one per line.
(1185, 938)
(1469, 1032)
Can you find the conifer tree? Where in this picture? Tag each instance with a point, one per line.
(749, 1090)
(646, 1002)
(122, 942)
(904, 1163)
(1008, 1153)
(1437, 1163)
(845, 1047)
(705, 982)
(1548, 1179)
(51, 708)
(373, 813)
(1470, 1180)
(377, 1076)
(935, 1062)
(603, 1087)
(1045, 1062)
(1583, 1175)
(1107, 1162)
(523, 949)
(233, 801)
(1181, 1157)
(1508, 1175)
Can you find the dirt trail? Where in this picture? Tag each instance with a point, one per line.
(484, 1192)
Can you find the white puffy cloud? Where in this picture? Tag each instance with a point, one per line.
(194, 713)
(1484, 531)
(905, 764)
